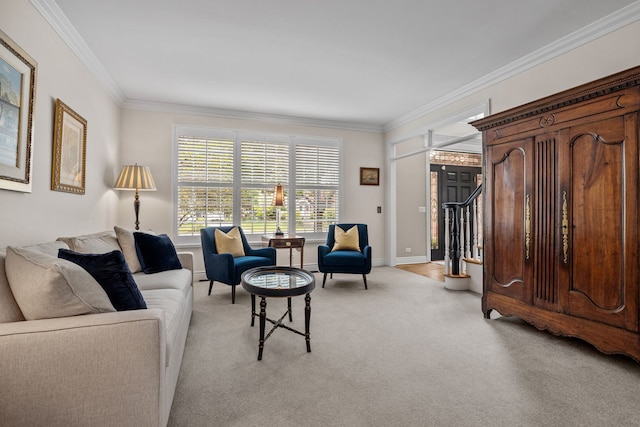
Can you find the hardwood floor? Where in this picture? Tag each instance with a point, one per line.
(429, 269)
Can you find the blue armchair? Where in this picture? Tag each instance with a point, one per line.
(345, 261)
(225, 267)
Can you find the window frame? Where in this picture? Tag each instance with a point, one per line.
(290, 190)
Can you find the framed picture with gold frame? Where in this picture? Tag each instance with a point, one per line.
(69, 150)
(369, 176)
(17, 101)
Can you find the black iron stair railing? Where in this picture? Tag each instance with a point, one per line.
(460, 231)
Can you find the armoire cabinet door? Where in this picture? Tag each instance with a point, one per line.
(508, 227)
(598, 212)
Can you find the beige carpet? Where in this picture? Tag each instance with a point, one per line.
(398, 354)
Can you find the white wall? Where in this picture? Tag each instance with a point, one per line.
(607, 55)
(43, 214)
(147, 139)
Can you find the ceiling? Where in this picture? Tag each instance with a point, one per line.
(368, 62)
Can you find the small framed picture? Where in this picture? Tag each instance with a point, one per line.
(69, 150)
(369, 176)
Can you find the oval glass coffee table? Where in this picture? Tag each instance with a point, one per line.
(278, 282)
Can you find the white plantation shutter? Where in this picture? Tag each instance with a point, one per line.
(317, 187)
(264, 164)
(229, 177)
(205, 183)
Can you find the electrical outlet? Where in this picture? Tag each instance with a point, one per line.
(407, 250)
(422, 209)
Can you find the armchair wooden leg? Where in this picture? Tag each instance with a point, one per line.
(324, 279)
(233, 294)
(364, 276)
(210, 286)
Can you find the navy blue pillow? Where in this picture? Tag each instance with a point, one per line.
(156, 252)
(113, 274)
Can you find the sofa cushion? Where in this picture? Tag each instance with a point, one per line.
(96, 243)
(112, 273)
(170, 279)
(9, 310)
(46, 287)
(172, 302)
(128, 245)
(156, 253)
(49, 248)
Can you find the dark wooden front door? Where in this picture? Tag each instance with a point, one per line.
(455, 184)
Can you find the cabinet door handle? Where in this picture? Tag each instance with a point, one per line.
(565, 228)
(527, 227)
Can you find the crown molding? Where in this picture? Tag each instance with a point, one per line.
(593, 31)
(60, 23)
(136, 104)
(65, 29)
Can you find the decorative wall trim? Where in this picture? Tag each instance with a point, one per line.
(134, 104)
(593, 31)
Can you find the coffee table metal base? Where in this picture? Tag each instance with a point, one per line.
(278, 323)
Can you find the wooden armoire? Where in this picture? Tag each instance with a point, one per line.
(561, 205)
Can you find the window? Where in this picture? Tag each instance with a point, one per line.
(229, 177)
(263, 165)
(317, 188)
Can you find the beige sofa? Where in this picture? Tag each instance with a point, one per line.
(108, 368)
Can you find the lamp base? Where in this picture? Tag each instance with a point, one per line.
(278, 232)
(136, 208)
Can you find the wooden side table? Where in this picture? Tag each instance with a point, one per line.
(287, 242)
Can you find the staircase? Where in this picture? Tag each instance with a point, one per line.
(463, 244)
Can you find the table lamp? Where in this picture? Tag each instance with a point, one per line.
(138, 178)
(278, 201)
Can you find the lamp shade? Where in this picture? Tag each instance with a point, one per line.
(278, 197)
(134, 177)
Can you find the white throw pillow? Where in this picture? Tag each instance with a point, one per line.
(96, 243)
(46, 287)
(128, 246)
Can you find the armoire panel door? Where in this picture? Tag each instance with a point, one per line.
(508, 235)
(598, 208)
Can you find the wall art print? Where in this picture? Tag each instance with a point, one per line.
(69, 150)
(17, 100)
(369, 176)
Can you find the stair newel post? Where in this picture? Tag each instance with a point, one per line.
(474, 244)
(461, 241)
(447, 260)
(454, 252)
(467, 233)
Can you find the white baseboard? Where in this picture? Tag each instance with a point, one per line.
(412, 260)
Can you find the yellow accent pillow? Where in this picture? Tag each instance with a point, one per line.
(346, 240)
(229, 243)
